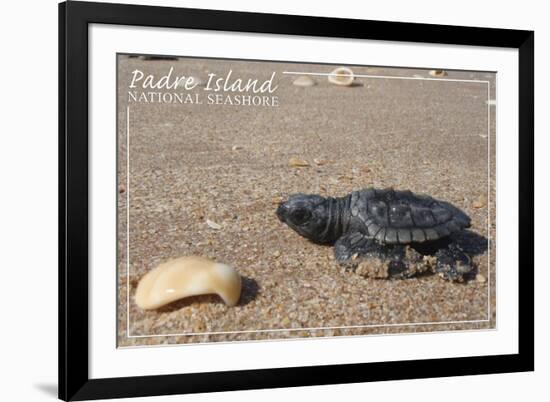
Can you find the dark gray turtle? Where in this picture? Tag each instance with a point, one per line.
(385, 233)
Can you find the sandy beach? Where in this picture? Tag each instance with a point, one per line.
(189, 163)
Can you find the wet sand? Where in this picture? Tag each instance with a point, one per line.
(230, 164)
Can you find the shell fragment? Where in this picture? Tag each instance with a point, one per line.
(188, 276)
(304, 81)
(213, 225)
(296, 162)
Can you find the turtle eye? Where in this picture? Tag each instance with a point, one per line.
(300, 215)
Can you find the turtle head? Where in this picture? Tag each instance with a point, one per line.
(306, 214)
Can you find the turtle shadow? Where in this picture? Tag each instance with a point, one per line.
(473, 244)
(249, 292)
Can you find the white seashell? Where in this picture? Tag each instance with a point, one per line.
(304, 81)
(188, 276)
(213, 225)
(341, 76)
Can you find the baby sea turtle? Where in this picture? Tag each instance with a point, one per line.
(385, 233)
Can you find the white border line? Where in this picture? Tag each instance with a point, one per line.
(384, 334)
(321, 328)
(385, 77)
(489, 240)
(128, 220)
(313, 328)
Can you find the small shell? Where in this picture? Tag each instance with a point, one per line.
(304, 81)
(341, 76)
(320, 161)
(236, 147)
(188, 276)
(213, 225)
(295, 162)
(438, 73)
(480, 278)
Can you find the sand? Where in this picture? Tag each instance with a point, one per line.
(230, 165)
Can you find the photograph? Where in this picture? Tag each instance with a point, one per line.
(261, 200)
(275, 201)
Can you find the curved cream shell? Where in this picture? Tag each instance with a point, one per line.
(341, 76)
(188, 276)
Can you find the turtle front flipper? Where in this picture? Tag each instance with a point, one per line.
(369, 258)
(453, 264)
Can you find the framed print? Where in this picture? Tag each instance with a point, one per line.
(256, 200)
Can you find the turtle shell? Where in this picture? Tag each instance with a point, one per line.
(402, 217)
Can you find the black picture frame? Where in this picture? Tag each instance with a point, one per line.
(74, 18)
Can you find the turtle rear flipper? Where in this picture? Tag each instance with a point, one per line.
(453, 264)
(369, 258)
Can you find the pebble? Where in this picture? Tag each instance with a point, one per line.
(276, 254)
(366, 169)
(438, 73)
(213, 225)
(345, 178)
(304, 81)
(236, 147)
(342, 76)
(187, 276)
(295, 162)
(480, 278)
(479, 202)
